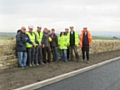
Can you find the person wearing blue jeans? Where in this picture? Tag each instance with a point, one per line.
(22, 58)
(55, 53)
(63, 41)
(64, 55)
(21, 39)
(54, 45)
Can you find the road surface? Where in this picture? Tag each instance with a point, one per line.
(106, 77)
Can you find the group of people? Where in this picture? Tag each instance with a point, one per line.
(36, 47)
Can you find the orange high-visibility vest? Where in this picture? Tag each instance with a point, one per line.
(81, 38)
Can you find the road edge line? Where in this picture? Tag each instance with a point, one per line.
(64, 76)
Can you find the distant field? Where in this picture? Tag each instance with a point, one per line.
(102, 38)
(7, 36)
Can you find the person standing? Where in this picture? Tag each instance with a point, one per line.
(21, 40)
(62, 41)
(46, 46)
(73, 43)
(67, 36)
(85, 42)
(54, 45)
(38, 50)
(31, 46)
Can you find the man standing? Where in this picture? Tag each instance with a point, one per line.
(73, 43)
(85, 42)
(67, 36)
(21, 40)
(54, 45)
(31, 46)
(39, 36)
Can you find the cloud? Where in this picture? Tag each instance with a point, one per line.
(96, 14)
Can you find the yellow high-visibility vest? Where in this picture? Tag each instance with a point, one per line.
(62, 41)
(39, 36)
(76, 38)
(32, 39)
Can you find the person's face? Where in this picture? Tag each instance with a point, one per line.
(23, 30)
(39, 29)
(46, 31)
(31, 30)
(85, 29)
(67, 30)
(53, 31)
(71, 28)
(62, 33)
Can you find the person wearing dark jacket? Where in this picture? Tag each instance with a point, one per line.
(21, 39)
(46, 46)
(54, 45)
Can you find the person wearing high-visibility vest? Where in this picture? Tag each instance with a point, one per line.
(31, 46)
(38, 50)
(67, 35)
(73, 43)
(62, 42)
(85, 43)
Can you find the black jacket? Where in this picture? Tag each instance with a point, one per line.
(54, 40)
(21, 40)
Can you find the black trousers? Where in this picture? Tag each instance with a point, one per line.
(68, 53)
(38, 55)
(46, 55)
(31, 55)
(85, 49)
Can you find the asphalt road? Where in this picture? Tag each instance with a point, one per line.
(106, 77)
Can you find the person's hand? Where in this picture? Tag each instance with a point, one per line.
(89, 44)
(43, 45)
(39, 44)
(33, 44)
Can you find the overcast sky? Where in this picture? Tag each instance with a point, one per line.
(97, 15)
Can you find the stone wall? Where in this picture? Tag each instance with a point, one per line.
(8, 58)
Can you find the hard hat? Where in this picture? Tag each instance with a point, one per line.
(31, 26)
(39, 26)
(50, 39)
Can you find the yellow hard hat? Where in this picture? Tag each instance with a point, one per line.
(50, 39)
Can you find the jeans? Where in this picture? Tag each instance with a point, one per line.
(64, 55)
(38, 55)
(55, 53)
(22, 58)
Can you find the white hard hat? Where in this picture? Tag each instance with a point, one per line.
(40, 26)
(31, 26)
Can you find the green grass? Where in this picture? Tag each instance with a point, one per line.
(102, 38)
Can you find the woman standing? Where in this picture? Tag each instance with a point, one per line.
(62, 41)
(46, 46)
